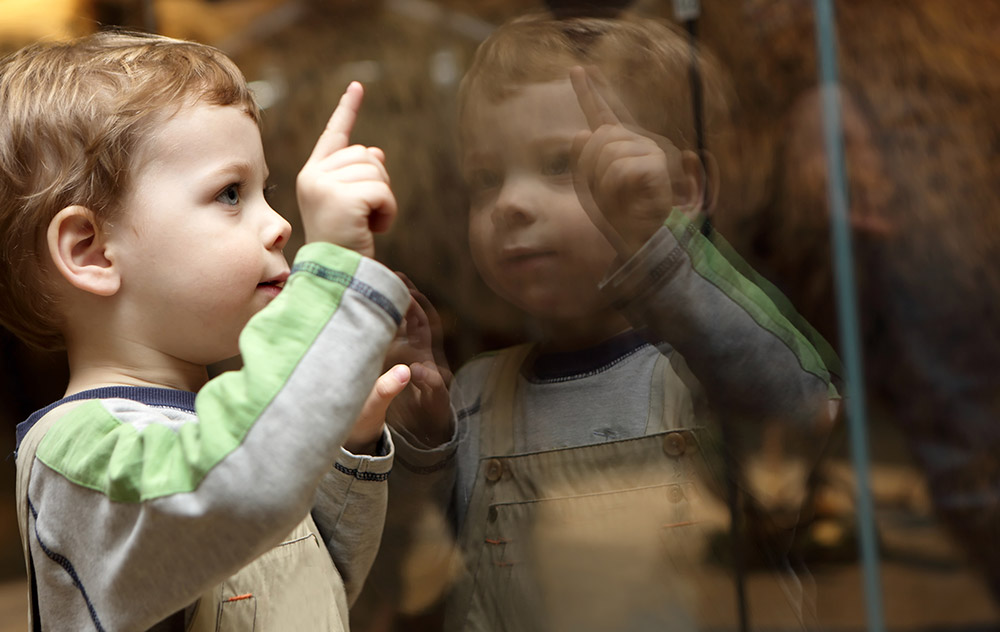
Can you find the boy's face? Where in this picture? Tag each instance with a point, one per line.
(531, 240)
(199, 247)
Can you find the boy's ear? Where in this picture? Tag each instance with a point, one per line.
(78, 247)
(702, 182)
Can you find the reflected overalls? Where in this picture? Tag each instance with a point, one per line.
(613, 535)
(607, 536)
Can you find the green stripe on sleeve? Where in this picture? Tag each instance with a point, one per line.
(716, 261)
(92, 448)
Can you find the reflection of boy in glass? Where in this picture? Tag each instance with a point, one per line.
(574, 465)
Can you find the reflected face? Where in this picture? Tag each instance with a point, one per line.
(199, 247)
(531, 240)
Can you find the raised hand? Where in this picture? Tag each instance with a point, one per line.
(627, 179)
(343, 190)
(423, 408)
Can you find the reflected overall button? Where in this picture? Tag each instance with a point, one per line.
(494, 470)
(674, 444)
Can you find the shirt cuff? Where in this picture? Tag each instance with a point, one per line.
(416, 457)
(366, 467)
(658, 259)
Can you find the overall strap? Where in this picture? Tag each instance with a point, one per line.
(25, 460)
(659, 398)
(496, 430)
(496, 438)
(674, 394)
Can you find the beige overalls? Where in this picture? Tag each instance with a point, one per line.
(294, 586)
(610, 536)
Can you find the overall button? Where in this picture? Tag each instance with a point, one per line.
(675, 494)
(494, 470)
(674, 444)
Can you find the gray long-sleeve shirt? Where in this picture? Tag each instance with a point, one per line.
(136, 510)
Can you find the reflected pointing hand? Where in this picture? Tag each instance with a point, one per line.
(424, 407)
(622, 173)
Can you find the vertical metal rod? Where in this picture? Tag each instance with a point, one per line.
(847, 311)
(731, 452)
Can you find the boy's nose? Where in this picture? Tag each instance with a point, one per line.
(515, 204)
(278, 231)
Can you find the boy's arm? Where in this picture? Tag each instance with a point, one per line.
(349, 511)
(148, 516)
(747, 353)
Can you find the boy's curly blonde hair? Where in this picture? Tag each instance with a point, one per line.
(647, 62)
(72, 117)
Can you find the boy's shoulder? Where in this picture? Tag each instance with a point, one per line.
(136, 406)
(482, 362)
(85, 437)
(476, 369)
(471, 378)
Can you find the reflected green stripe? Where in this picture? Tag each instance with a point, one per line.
(826, 352)
(92, 448)
(724, 268)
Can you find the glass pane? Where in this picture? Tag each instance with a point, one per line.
(619, 227)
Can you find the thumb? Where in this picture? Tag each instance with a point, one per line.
(390, 384)
(369, 423)
(387, 387)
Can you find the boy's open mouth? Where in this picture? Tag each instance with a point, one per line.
(271, 289)
(274, 285)
(277, 280)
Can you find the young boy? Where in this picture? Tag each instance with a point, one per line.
(135, 231)
(576, 472)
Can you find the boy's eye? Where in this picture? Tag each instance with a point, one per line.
(269, 192)
(483, 179)
(230, 195)
(557, 165)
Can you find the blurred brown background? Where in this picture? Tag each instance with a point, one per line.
(920, 91)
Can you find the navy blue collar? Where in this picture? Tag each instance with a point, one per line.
(151, 395)
(569, 365)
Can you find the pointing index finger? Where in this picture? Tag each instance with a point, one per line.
(337, 134)
(594, 107)
(599, 101)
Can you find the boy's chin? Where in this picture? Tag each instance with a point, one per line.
(562, 309)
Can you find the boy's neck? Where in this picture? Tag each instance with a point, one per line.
(91, 370)
(87, 380)
(103, 350)
(580, 333)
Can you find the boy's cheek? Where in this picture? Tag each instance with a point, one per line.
(483, 266)
(481, 233)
